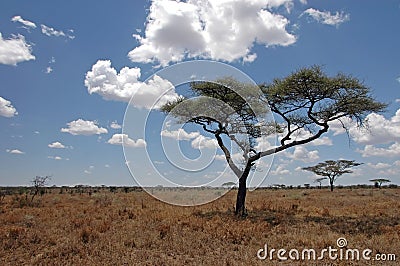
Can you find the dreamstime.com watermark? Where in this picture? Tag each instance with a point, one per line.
(339, 252)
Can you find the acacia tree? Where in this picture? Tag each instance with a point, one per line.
(332, 169)
(378, 181)
(38, 183)
(319, 181)
(306, 100)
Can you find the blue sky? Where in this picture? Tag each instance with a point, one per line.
(69, 69)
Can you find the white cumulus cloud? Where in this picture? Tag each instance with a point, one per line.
(15, 151)
(104, 80)
(115, 125)
(57, 158)
(379, 130)
(198, 141)
(6, 108)
(326, 17)
(202, 142)
(371, 150)
(379, 165)
(26, 23)
(49, 31)
(279, 170)
(221, 30)
(123, 139)
(15, 50)
(56, 145)
(381, 137)
(84, 127)
(300, 153)
(179, 134)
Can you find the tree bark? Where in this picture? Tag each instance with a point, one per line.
(242, 191)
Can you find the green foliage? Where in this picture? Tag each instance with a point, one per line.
(309, 99)
(225, 106)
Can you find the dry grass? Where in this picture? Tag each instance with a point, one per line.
(134, 229)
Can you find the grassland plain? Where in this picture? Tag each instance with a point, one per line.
(117, 228)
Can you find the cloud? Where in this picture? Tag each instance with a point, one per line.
(198, 141)
(279, 170)
(115, 125)
(379, 130)
(105, 81)
(300, 153)
(264, 143)
(202, 142)
(337, 126)
(325, 17)
(123, 139)
(236, 157)
(391, 151)
(57, 158)
(379, 165)
(48, 70)
(180, 134)
(49, 31)
(83, 127)
(304, 134)
(6, 108)
(26, 23)
(220, 30)
(15, 50)
(56, 145)
(15, 151)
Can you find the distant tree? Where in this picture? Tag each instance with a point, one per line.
(307, 100)
(319, 181)
(332, 169)
(379, 181)
(278, 185)
(229, 184)
(39, 182)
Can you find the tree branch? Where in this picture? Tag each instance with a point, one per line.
(228, 157)
(289, 145)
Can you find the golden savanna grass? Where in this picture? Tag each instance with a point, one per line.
(107, 228)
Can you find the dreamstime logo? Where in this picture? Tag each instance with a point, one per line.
(181, 156)
(340, 252)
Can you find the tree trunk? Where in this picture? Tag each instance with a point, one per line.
(241, 195)
(331, 182)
